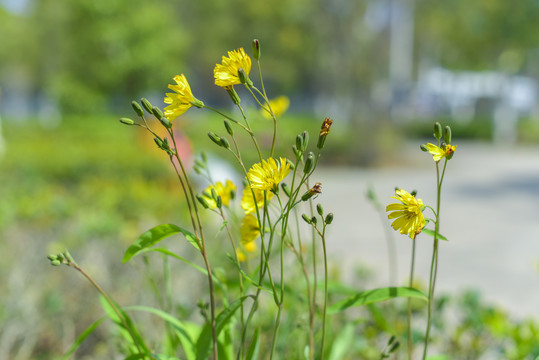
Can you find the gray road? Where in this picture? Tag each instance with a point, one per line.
(490, 214)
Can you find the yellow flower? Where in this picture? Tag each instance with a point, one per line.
(279, 105)
(240, 255)
(226, 74)
(249, 229)
(248, 202)
(250, 246)
(226, 193)
(408, 214)
(268, 174)
(438, 153)
(180, 101)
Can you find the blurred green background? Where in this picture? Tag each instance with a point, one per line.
(72, 176)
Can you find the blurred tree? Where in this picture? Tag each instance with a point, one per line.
(90, 53)
(485, 34)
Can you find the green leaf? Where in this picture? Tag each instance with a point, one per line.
(205, 339)
(343, 343)
(90, 329)
(154, 235)
(431, 233)
(184, 331)
(374, 296)
(252, 351)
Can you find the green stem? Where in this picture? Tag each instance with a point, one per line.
(410, 284)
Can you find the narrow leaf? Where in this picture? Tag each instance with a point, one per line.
(431, 233)
(90, 329)
(153, 236)
(374, 296)
(252, 351)
(171, 254)
(343, 343)
(205, 339)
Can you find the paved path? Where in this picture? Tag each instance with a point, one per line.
(490, 214)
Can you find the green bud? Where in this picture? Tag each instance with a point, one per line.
(219, 202)
(197, 169)
(233, 95)
(394, 347)
(204, 157)
(297, 153)
(157, 112)
(447, 135)
(158, 142)
(329, 218)
(256, 49)
(291, 164)
(437, 131)
(286, 189)
(313, 220)
(299, 142)
(423, 147)
(244, 79)
(213, 194)
(306, 218)
(127, 121)
(55, 262)
(320, 209)
(305, 136)
(60, 257)
(391, 339)
(52, 257)
(137, 108)
(200, 164)
(147, 105)
(309, 163)
(166, 123)
(225, 143)
(232, 194)
(202, 201)
(228, 127)
(68, 256)
(414, 192)
(215, 138)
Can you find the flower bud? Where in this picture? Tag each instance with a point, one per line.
(324, 131)
(414, 192)
(147, 105)
(166, 123)
(299, 142)
(52, 257)
(320, 209)
(393, 347)
(329, 218)
(298, 153)
(127, 121)
(213, 194)
(202, 201)
(306, 218)
(286, 189)
(228, 127)
(316, 189)
(158, 142)
(243, 76)
(204, 157)
(256, 49)
(305, 136)
(137, 108)
(68, 256)
(233, 95)
(447, 135)
(291, 164)
(55, 262)
(157, 112)
(215, 138)
(423, 147)
(219, 202)
(200, 164)
(313, 220)
(437, 131)
(309, 163)
(225, 143)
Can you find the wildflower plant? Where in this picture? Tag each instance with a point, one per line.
(277, 191)
(410, 220)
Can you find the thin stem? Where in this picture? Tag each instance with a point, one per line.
(410, 284)
(111, 303)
